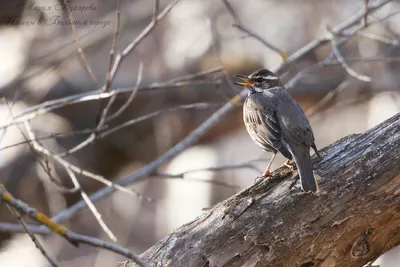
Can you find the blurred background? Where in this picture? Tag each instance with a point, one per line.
(40, 62)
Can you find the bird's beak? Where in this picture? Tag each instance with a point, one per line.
(247, 81)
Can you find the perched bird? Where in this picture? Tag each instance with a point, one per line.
(276, 122)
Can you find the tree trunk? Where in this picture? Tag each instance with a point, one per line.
(352, 220)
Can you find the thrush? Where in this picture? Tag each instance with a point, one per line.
(277, 123)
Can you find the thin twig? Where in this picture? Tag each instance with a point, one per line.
(262, 40)
(45, 107)
(365, 19)
(189, 77)
(131, 96)
(44, 166)
(245, 165)
(39, 246)
(79, 46)
(68, 166)
(240, 27)
(197, 180)
(156, 9)
(153, 114)
(122, 55)
(231, 11)
(91, 206)
(78, 170)
(327, 99)
(113, 45)
(340, 58)
(109, 79)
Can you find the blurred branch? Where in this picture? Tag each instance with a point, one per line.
(340, 58)
(42, 108)
(156, 9)
(32, 236)
(213, 182)
(252, 34)
(112, 130)
(327, 100)
(231, 11)
(61, 230)
(155, 113)
(79, 46)
(113, 45)
(245, 165)
(264, 42)
(39, 148)
(121, 56)
(189, 77)
(104, 118)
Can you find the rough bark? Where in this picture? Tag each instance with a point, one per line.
(354, 219)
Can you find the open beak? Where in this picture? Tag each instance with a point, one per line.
(247, 82)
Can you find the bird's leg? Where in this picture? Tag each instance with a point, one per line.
(267, 172)
(287, 164)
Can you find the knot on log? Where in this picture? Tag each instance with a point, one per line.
(361, 246)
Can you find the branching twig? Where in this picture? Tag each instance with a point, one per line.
(131, 97)
(122, 55)
(67, 166)
(104, 118)
(78, 170)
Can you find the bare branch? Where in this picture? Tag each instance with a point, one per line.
(32, 236)
(42, 108)
(263, 41)
(107, 84)
(339, 57)
(121, 56)
(131, 97)
(79, 46)
(53, 226)
(189, 77)
(232, 11)
(156, 9)
(153, 114)
(91, 206)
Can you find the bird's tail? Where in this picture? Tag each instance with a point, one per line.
(304, 165)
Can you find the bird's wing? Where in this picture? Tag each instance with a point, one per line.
(262, 123)
(292, 118)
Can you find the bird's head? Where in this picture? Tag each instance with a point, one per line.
(259, 80)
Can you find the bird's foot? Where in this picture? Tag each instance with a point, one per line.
(289, 165)
(266, 174)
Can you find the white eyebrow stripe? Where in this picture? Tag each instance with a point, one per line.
(271, 77)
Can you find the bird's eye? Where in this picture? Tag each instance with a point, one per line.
(259, 80)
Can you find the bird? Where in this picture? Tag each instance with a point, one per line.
(277, 123)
